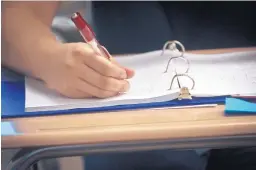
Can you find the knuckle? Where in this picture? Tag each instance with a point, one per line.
(77, 51)
(81, 50)
(90, 51)
(106, 69)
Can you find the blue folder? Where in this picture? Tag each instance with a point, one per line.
(13, 101)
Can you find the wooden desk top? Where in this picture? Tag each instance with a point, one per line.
(139, 125)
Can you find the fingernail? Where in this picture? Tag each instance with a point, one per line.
(126, 87)
(123, 75)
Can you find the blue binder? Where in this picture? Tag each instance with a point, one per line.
(13, 101)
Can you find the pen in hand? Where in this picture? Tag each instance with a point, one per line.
(90, 38)
(88, 35)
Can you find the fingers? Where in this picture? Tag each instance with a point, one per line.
(107, 68)
(129, 72)
(100, 81)
(94, 91)
(98, 63)
(70, 92)
(94, 75)
(75, 93)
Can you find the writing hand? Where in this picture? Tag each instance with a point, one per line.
(76, 71)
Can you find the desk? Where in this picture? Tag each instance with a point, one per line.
(73, 135)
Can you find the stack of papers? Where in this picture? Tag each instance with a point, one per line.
(214, 75)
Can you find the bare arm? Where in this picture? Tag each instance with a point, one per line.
(71, 69)
(27, 37)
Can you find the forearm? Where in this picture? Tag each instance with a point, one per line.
(27, 40)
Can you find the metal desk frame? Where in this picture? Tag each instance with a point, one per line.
(29, 156)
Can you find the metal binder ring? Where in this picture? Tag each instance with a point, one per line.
(172, 46)
(177, 75)
(183, 58)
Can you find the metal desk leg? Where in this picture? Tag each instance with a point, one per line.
(19, 154)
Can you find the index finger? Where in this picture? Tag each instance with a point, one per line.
(129, 72)
(99, 63)
(106, 67)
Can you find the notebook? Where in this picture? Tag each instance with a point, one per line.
(200, 75)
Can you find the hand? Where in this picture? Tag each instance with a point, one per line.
(76, 71)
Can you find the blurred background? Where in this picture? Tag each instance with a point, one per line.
(141, 26)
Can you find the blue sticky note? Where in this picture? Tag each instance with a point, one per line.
(239, 106)
(7, 129)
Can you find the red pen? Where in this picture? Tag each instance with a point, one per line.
(88, 35)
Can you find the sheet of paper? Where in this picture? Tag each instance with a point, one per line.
(214, 74)
(222, 74)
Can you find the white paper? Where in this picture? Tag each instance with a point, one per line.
(218, 74)
(223, 74)
(148, 85)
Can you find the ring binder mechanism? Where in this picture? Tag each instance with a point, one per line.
(172, 45)
(184, 91)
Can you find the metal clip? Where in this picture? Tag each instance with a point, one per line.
(184, 94)
(184, 91)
